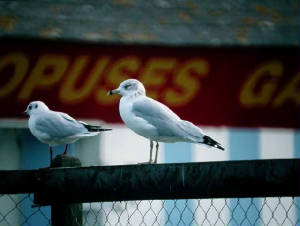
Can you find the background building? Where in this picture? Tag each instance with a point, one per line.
(230, 67)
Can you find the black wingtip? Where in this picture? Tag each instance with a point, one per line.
(220, 147)
(104, 129)
(91, 128)
(211, 142)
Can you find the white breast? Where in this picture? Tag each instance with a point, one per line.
(40, 135)
(31, 126)
(137, 124)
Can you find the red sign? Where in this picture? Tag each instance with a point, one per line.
(244, 87)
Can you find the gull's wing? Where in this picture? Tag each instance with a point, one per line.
(166, 122)
(58, 125)
(66, 116)
(89, 128)
(194, 133)
(160, 116)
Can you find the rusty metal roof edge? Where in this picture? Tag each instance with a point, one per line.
(164, 22)
(7, 38)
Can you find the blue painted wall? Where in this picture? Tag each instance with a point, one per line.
(35, 155)
(176, 153)
(244, 145)
(297, 155)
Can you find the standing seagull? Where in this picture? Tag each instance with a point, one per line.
(155, 121)
(57, 128)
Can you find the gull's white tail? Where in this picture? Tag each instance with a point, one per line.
(196, 135)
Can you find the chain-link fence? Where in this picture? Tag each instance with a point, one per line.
(165, 194)
(19, 210)
(245, 211)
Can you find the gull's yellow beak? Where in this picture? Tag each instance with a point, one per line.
(26, 112)
(111, 92)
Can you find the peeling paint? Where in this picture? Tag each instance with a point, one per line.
(92, 36)
(184, 16)
(274, 14)
(241, 34)
(241, 38)
(138, 36)
(192, 6)
(8, 22)
(51, 32)
(249, 21)
(214, 12)
(262, 9)
(124, 2)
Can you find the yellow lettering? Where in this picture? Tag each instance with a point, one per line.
(289, 93)
(68, 92)
(48, 71)
(155, 73)
(20, 63)
(120, 71)
(188, 85)
(249, 97)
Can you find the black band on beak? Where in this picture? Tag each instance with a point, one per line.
(111, 92)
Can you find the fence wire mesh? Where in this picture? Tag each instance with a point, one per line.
(18, 210)
(246, 211)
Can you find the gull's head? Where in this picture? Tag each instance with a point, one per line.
(35, 107)
(128, 87)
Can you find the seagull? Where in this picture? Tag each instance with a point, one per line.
(57, 128)
(154, 120)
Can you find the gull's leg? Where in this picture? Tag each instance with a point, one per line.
(151, 148)
(51, 154)
(150, 159)
(66, 149)
(157, 145)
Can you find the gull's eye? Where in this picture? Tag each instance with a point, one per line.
(36, 106)
(30, 107)
(127, 86)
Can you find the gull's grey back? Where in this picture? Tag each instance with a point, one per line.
(57, 125)
(166, 122)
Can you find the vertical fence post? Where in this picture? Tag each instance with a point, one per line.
(66, 214)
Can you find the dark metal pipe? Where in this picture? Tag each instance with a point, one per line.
(255, 178)
(259, 178)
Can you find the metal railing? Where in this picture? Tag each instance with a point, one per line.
(260, 192)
